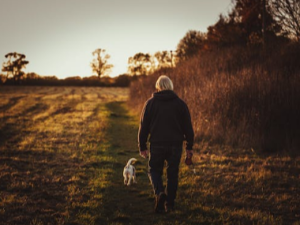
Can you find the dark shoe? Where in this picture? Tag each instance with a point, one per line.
(169, 207)
(160, 202)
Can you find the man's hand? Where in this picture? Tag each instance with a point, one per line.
(189, 153)
(144, 154)
(188, 157)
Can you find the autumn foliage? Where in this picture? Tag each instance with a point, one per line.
(241, 84)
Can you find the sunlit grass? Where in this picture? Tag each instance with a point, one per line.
(243, 189)
(52, 150)
(65, 167)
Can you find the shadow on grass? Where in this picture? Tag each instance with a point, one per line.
(13, 127)
(245, 189)
(12, 102)
(123, 204)
(33, 184)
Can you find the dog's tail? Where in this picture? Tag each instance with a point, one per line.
(130, 161)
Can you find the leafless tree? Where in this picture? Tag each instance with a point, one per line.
(287, 14)
(100, 64)
(164, 59)
(140, 64)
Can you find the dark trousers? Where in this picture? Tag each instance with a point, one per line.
(158, 156)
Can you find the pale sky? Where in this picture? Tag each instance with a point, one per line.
(59, 36)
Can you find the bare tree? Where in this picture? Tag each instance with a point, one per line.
(14, 66)
(140, 64)
(164, 59)
(99, 64)
(287, 14)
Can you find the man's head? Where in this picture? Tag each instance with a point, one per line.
(164, 83)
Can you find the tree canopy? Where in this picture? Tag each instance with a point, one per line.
(287, 15)
(190, 44)
(15, 64)
(100, 64)
(140, 64)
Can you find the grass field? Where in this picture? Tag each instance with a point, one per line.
(63, 149)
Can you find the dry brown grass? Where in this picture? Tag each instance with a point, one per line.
(243, 187)
(62, 153)
(244, 105)
(237, 96)
(52, 164)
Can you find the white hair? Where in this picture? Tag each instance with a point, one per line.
(164, 83)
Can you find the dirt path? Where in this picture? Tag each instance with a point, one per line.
(133, 204)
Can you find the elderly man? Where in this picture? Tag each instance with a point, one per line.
(167, 120)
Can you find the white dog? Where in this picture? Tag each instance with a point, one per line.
(129, 172)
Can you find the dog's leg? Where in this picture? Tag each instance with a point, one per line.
(125, 180)
(134, 179)
(129, 181)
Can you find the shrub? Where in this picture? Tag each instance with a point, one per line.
(246, 97)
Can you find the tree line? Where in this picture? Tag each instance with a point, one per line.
(139, 65)
(240, 79)
(249, 23)
(16, 63)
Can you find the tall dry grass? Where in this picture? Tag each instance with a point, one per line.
(246, 97)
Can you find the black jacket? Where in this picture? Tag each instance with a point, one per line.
(167, 120)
